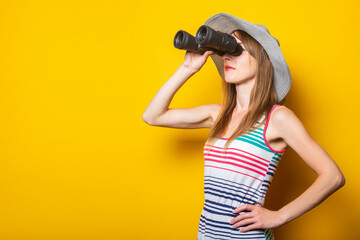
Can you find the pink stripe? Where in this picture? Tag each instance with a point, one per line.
(266, 125)
(222, 138)
(239, 151)
(235, 171)
(241, 155)
(238, 160)
(234, 164)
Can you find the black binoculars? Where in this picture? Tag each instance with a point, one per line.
(207, 39)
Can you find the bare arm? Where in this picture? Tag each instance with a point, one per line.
(330, 178)
(158, 113)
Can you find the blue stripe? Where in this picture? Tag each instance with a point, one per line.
(229, 193)
(240, 200)
(241, 190)
(224, 225)
(232, 182)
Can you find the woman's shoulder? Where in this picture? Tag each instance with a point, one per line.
(283, 118)
(281, 112)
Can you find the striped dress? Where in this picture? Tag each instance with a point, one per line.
(241, 175)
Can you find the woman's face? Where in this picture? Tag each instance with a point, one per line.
(244, 66)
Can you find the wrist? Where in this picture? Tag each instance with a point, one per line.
(282, 217)
(188, 69)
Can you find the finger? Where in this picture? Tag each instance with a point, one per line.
(244, 207)
(250, 227)
(241, 217)
(244, 222)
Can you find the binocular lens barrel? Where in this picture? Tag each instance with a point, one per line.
(184, 40)
(208, 39)
(201, 35)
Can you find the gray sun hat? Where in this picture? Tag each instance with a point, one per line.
(227, 23)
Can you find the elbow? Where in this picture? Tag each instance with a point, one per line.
(335, 180)
(147, 120)
(338, 180)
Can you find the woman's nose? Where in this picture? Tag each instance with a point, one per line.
(227, 57)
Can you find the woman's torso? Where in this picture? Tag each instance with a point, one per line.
(239, 175)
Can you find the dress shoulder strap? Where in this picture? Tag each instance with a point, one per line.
(272, 109)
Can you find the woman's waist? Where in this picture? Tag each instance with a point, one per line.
(232, 198)
(226, 206)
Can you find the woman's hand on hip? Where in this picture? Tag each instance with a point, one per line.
(258, 218)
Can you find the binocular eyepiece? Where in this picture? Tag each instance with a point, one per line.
(207, 39)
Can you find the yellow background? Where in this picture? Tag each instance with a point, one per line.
(77, 160)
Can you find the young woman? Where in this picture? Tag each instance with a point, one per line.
(249, 134)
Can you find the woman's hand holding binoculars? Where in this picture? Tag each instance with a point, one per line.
(194, 61)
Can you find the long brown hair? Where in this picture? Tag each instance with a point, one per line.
(262, 97)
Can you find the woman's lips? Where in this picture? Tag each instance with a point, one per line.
(227, 67)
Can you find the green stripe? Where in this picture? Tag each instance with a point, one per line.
(255, 140)
(276, 158)
(258, 133)
(259, 129)
(268, 234)
(274, 161)
(253, 143)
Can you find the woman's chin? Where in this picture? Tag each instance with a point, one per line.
(231, 80)
(236, 80)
